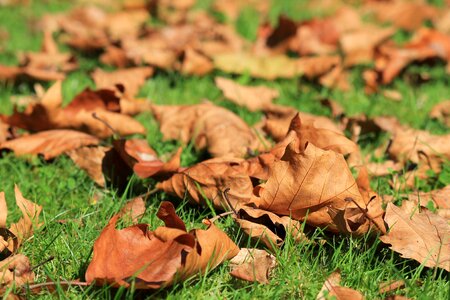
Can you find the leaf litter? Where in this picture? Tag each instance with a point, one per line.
(272, 190)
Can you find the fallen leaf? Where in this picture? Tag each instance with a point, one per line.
(90, 160)
(272, 67)
(207, 180)
(220, 131)
(16, 270)
(278, 120)
(408, 15)
(268, 227)
(305, 182)
(441, 111)
(426, 44)
(386, 287)
(383, 168)
(332, 289)
(359, 45)
(423, 236)
(440, 198)
(49, 144)
(253, 265)
(134, 209)
(195, 63)
(323, 138)
(156, 258)
(253, 98)
(131, 79)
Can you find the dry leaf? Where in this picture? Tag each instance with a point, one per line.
(422, 236)
(305, 182)
(440, 198)
(134, 209)
(332, 289)
(441, 111)
(253, 98)
(131, 79)
(386, 287)
(383, 168)
(220, 131)
(252, 265)
(207, 180)
(279, 119)
(16, 270)
(156, 258)
(49, 144)
(268, 227)
(90, 160)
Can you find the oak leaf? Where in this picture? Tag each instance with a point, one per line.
(422, 236)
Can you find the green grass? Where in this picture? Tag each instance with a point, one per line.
(67, 193)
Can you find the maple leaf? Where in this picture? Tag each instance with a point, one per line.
(422, 236)
(304, 184)
(156, 258)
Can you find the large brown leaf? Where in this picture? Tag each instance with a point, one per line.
(253, 265)
(422, 236)
(50, 143)
(219, 130)
(305, 182)
(156, 259)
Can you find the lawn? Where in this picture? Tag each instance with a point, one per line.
(75, 209)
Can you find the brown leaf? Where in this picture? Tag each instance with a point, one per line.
(220, 131)
(253, 98)
(90, 160)
(422, 236)
(16, 270)
(386, 287)
(408, 15)
(440, 198)
(30, 212)
(307, 181)
(207, 180)
(323, 138)
(441, 111)
(426, 44)
(268, 227)
(332, 288)
(156, 259)
(253, 265)
(131, 79)
(383, 168)
(79, 114)
(359, 45)
(195, 63)
(134, 209)
(279, 119)
(50, 143)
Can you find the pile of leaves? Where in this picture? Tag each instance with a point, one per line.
(290, 170)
